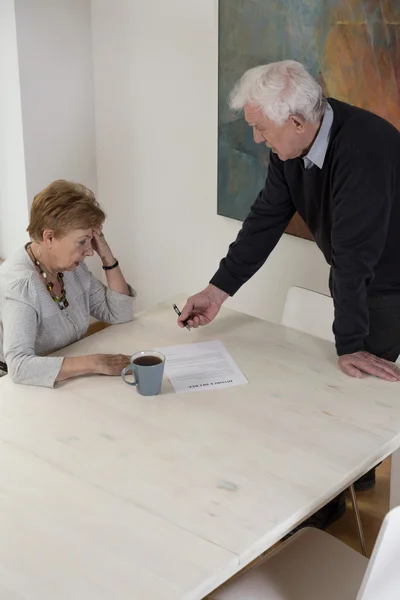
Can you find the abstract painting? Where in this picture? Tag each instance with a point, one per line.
(351, 46)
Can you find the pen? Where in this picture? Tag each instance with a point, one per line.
(178, 312)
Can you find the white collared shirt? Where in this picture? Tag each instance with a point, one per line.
(316, 154)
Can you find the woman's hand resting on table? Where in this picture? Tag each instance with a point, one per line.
(100, 364)
(110, 364)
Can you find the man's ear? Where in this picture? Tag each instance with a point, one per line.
(298, 123)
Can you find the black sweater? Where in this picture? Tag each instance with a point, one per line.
(352, 208)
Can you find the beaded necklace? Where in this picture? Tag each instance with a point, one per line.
(62, 302)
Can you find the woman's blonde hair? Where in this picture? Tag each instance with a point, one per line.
(62, 207)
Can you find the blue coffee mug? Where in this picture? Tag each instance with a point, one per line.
(147, 369)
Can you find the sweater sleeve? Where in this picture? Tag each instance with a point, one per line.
(261, 231)
(361, 214)
(20, 318)
(109, 306)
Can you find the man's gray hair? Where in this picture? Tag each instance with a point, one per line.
(280, 89)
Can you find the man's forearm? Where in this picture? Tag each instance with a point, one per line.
(217, 294)
(262, 229)
(351, 323)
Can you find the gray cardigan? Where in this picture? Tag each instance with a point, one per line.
(32, 325)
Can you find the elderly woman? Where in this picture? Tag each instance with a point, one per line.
(47, 293)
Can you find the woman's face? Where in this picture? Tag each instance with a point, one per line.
(72, 249)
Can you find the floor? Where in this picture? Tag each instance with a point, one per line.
(373, 506)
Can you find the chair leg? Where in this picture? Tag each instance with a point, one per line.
(358, 520)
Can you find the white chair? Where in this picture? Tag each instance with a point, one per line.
(309, 312)
(395, 474)
(313, 313)
(313, 565)
(395, 480)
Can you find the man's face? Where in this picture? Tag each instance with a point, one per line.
(287, 140)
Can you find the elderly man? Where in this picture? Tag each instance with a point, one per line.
(339, 167)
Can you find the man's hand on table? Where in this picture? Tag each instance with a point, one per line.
(203, 307)
(361, 364)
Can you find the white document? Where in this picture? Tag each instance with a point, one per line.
(202, 366)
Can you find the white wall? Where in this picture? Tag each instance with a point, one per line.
(13, 200)
(55, 95)
(155, 65)
(56, 74)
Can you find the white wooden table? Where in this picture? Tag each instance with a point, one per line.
(106, 494)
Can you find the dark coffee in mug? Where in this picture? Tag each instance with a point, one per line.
(147, 369)
(147, 361)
